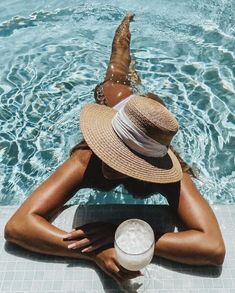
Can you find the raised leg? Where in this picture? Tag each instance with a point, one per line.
(116, 85)
(120, 59)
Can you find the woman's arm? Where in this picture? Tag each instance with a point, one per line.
(29, 226)
(202, 242)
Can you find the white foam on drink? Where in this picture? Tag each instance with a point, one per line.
(134, 239)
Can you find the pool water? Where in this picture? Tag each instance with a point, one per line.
(53, 53)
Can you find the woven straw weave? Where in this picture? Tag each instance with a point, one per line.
(95, 122)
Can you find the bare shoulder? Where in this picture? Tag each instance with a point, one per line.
(82, 157)
(188, 187)
(183, 193)
(59, 187)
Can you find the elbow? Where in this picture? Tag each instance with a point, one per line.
(219, 255)
(216, 253)
(9, 230)
(13, 230)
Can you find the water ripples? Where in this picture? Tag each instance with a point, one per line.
(52, 60)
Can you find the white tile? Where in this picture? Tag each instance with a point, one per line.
(26, 272)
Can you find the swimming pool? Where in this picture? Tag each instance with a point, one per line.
(52, 54)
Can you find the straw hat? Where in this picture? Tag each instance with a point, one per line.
(149, 116)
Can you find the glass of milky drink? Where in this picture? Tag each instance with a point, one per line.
(134, 245)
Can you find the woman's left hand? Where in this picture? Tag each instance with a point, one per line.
(92, 236)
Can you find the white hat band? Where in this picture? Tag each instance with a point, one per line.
(134, 137)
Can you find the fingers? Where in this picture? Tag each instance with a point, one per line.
(91, 243)
(87, 230)
(117, 272)
(126, 274)
(91, 237)
(98, 244)
(80, 244)
(108, 263)
(74, 235)
(122, 276)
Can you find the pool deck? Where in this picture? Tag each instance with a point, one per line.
(23, 271)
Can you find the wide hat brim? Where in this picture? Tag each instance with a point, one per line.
(96, 126)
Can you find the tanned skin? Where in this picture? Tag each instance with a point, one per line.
(201, 242)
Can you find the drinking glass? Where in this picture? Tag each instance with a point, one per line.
(134, 245)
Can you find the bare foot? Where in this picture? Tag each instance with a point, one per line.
(130, 16)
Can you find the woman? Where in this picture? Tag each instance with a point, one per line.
(128, 145)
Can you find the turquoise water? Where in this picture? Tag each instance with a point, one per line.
(52, 56)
